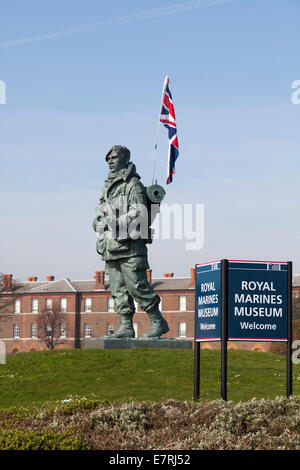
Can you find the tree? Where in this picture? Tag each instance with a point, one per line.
(280, 347)
(51, 326)
(7, 288)
(6, 301)
(296, 307)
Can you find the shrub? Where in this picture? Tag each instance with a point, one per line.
(14, 439)
(78, 424)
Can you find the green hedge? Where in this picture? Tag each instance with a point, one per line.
(14, 439)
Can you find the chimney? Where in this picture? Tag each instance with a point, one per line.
(32, 279)
(193, 278)
(99, 276)
(50, 278)
(149, 275)
(7, 282)
(168, 274)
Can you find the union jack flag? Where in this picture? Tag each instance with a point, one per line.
(167, 117)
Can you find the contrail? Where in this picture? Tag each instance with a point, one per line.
(144, 15)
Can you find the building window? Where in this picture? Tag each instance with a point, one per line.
(88, 305)
(87, 330)
(49, 330)
(17, 331)
(160, 304)
(34, 305)
(63, 305)
(182, 303)
(135, 327)
(49, 305)
(33, 330)
(62, 330)
(296, 295)
(110, 329)
(182, 329)
(17, 307)
(110, 304)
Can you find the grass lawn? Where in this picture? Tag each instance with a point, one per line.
(123, 375)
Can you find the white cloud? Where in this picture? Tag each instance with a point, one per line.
(173, 9)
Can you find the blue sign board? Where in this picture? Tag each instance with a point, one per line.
(208, 302)
(243, 301)
(257, 301)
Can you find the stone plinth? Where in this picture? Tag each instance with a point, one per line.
(105, 342)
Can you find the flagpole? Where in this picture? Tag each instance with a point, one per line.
(158, 122)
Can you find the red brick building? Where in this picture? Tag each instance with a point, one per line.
(89, 310)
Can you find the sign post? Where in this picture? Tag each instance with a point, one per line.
(243, 301)
(289, 349)
(224, 327)
(207, 312)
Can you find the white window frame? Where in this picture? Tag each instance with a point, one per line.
(110, 304)
(49, 303)
(17, 330)
(87, 330)
(17, 306)
(34, 305)
(33, 330)
(182, 303)
(62, 330)
(88, 305)
(110, 328)
(63, 304)
(182, 329)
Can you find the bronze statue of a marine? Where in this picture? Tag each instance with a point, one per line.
(123, 225)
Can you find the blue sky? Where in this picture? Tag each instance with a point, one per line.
(82, 76)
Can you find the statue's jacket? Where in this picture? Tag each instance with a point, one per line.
(122, 200)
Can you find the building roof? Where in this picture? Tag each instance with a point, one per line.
(66, 285)
(41, 287)
(173, 283)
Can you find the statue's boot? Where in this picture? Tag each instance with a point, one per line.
(126, 329)
(158, 327)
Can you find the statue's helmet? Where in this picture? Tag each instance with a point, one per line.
(120, 149)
